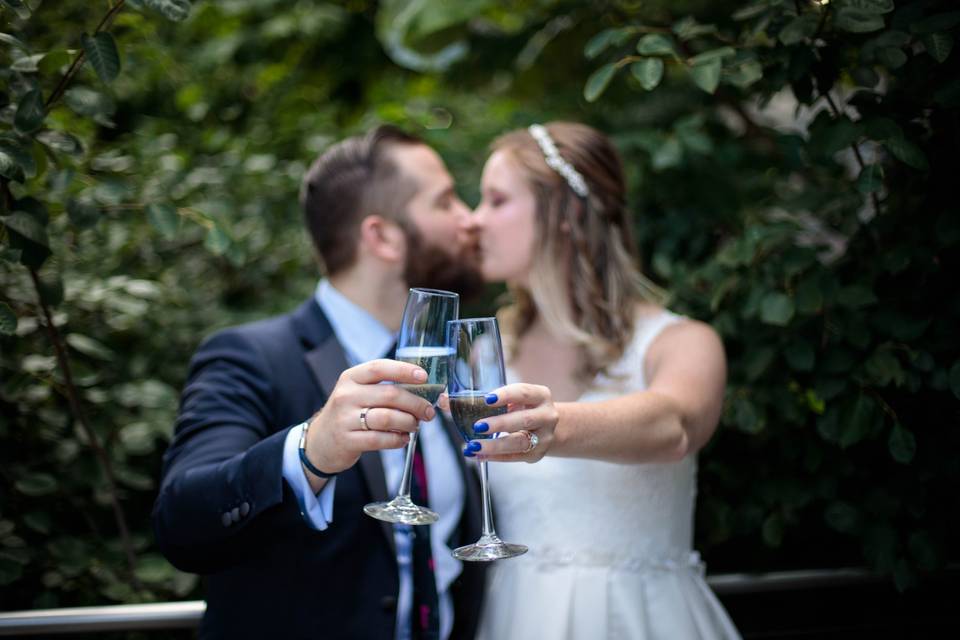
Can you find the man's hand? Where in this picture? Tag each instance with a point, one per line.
(337, 436)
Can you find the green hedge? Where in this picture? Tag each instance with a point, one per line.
(789, 164)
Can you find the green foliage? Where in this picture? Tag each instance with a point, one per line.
(150, 203)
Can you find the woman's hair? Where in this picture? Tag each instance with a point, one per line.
(584, 281)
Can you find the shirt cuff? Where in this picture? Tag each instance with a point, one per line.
(316, 509)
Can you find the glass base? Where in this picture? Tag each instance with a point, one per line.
(401, 510)
(489, 548)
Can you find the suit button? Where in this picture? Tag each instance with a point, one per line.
(244, 509)
(388, 603)
(226, 519)
(235, 514)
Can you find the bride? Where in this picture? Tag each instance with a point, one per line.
(617, 392)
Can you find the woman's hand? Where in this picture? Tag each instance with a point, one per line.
(527, 427)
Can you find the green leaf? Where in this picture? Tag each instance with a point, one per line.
(164, 218)
(714, 54)
(865, 76)
(772, 530)
(842, 516)
(217, 241)
(856, 296)
(10, 571)
(83, 213)
(102, 53)
(668, 155)
(39, 521)
(757, 361)
(87, 102)
(8, 320)
(954, 379)
(600, 42)
(743, 74)
(656, 44)
(809, 299)
(798, 29)
(902, 444)
(598, 81)
(907, 153)
(870, 179)
(36, 484)
(19, 7)
(687, 28)
(90, 347)
(153, 568)
(28, 64)
(27, 226)
(800, 356)
(137, 438)
(707, 75)
(857, 419)
(892, 57)
(751, 10)
(14, 42)
(15, 162)
(175, 10)
(777, 309)
(884, 367)
(30, 112)
(936, 23)
(648, 71)
(938, 45)
(61, 142)
(857, 21)
(868, 6)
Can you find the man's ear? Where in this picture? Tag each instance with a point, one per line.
(382, 238)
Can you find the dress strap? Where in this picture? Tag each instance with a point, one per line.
(651, 327)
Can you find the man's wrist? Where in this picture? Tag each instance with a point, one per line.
(305, 461)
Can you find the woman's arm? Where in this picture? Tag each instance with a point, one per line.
(685, 368)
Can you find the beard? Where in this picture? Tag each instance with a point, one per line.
(434, 267)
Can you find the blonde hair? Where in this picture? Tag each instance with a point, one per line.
(584, 282)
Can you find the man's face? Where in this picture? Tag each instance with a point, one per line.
(441, 252)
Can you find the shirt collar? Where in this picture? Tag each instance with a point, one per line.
(361, 335)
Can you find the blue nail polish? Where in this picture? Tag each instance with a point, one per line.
(481, 427)
(491, 398)
(474, 445)
(467, 453)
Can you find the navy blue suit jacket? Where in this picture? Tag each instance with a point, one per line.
(225, 511)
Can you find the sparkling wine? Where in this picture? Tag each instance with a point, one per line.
(469, 407)
(434, 361)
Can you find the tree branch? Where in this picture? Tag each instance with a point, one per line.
(874, 199)
(77, 410)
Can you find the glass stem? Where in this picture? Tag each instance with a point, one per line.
(488, 531)
(408, 466)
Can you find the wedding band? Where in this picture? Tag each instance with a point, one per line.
(363, 419)
(533, 439)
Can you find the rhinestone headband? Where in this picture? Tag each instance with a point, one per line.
(557, 162)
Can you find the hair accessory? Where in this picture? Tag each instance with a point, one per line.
(557, 162)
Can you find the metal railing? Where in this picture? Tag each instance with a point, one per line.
(187, 615)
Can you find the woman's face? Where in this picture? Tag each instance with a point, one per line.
(504, 221)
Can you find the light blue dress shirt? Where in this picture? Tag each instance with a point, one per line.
(363, 338)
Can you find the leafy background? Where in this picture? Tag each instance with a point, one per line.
(788, 162)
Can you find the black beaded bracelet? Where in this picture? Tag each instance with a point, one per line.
(303, 455)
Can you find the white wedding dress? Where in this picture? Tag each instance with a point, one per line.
(610, 544)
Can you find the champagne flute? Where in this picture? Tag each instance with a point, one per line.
(422, 342)
(476, 369)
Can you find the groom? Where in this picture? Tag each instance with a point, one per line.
(284, 546)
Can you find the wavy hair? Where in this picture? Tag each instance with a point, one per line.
(584, 281)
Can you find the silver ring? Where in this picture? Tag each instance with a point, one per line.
(363, 419)
(534, 440)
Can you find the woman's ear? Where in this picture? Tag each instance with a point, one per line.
(382, 239)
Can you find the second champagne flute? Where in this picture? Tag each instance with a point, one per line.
(476, 369)
(422, 342)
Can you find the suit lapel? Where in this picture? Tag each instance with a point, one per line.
(326, 361)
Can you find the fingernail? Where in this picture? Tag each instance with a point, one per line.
(467, 453)
(420, 374)
(474, 445)
(429, 413)
(481, 427)
(491, 398)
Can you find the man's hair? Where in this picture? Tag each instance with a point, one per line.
(351, 180)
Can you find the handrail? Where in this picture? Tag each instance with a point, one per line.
(187, 615)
